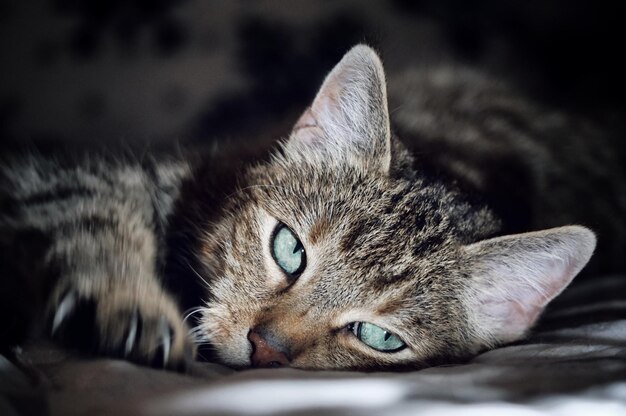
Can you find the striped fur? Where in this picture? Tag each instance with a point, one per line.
(406, 234)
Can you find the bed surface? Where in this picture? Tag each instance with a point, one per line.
(223, 78)
(573, 363)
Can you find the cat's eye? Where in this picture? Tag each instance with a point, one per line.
(287, 251)
(376, 337)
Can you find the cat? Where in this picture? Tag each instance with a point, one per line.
(345, 247)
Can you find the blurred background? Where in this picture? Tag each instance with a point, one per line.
(195, 70)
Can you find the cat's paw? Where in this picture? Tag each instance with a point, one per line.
(146, 329)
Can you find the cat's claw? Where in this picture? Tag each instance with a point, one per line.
(137, 344)
(138, 328)
(132, 333)
(167, 338)
(65, 308)
(148, 333)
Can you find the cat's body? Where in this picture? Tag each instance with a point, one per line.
(534, 166)
(344, 249)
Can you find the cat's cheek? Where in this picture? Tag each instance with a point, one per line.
(329, 358)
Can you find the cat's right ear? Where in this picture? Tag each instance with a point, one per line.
(349, 118)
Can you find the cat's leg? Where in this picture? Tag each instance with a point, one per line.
(105, 296)
(110, 289)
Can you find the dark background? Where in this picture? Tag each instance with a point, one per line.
(158, 70)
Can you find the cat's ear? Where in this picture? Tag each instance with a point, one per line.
(514, 277)
(349, 117)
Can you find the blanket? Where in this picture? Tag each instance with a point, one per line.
(573, 363)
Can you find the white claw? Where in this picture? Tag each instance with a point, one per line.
(65, 307)
(167, 339)
(132, 334)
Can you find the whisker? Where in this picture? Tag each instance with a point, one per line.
(200, 344)
(395, 109)
(201, 333)
(198, 335)
(198, 274)
(192, 311)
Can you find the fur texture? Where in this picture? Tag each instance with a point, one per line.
(403, 235)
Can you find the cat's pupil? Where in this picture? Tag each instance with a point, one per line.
(288, 251)
(297, 248)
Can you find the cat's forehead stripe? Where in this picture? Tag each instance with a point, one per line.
(319, 230)
(390, 306)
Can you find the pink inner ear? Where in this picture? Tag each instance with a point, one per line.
(324, 111)
(348, 121)
(513, 316)
(307, 128)
(519, 300)
(516, 276)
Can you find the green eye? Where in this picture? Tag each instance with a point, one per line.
(375, 337)
(288, 251)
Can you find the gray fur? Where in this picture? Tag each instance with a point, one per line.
(105, 219)
(388, 240)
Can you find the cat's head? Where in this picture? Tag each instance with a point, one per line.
(337, 254)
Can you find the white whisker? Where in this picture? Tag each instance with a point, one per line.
(192, 311)
(198, 274)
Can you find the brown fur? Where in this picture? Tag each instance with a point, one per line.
(384, 244)
(408, 240)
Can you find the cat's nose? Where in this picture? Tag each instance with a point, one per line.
(266, 350)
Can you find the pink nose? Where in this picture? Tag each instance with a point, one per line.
(264, 354)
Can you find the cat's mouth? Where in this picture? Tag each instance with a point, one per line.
(258, 348)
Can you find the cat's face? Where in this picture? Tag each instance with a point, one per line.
(371, 250)
(336, 255)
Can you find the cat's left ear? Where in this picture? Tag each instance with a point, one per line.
(513, 278)
(348, 119)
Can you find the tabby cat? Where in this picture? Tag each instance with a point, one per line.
(345, 248)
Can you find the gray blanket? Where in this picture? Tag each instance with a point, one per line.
(573, 363)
